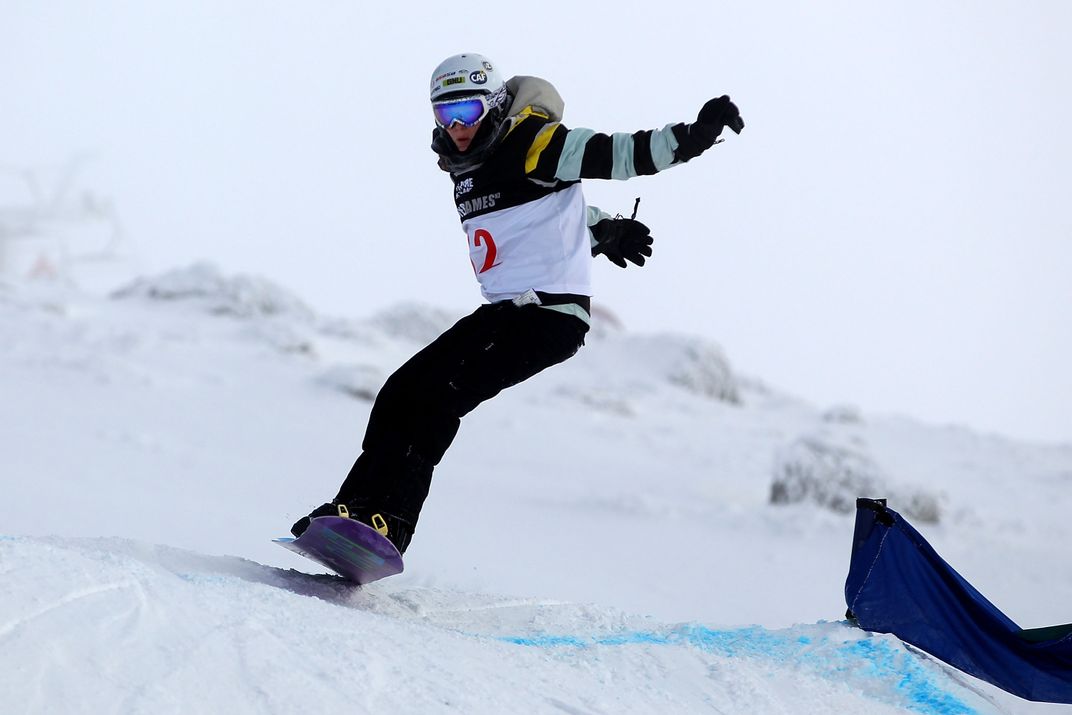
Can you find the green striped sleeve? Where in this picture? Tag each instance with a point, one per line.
(663, 146)
(587, 154)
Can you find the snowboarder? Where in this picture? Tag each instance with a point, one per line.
(517, 174)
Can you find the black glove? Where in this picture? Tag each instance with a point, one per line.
(721, 112)
(696, 138)
(620, 239)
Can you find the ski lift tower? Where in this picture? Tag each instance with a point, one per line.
(50, 235)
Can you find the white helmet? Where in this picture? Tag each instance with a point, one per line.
(468, 73)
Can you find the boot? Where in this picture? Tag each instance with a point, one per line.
(397, 530)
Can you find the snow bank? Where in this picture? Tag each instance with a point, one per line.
(109, 625)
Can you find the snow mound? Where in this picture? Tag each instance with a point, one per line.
(832, 470)
(694, 364)
(137, 628)
(240, 296)
(413, 322)
(615, 373)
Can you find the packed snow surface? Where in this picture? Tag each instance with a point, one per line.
(642, 529)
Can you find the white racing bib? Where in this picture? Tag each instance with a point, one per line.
(540, 245)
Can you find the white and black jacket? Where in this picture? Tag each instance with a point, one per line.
(520, 201)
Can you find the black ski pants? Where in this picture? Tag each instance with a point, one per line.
(417, 413)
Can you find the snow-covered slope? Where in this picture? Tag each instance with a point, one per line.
(106, 625)
(600, 539)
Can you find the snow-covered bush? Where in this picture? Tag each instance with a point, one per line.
(240, 296)
(702, 367)
(616, 374)
(833, 473)
(688, 362)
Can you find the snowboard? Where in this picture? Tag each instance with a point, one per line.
(351, 549)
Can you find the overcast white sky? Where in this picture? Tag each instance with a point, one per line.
(892, 230)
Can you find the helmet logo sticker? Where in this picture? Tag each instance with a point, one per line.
(463, 73)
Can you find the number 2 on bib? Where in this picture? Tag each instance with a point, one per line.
(482, 239)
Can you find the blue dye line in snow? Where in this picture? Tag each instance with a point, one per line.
(869, 659)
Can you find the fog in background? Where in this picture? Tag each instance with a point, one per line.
(891, 230)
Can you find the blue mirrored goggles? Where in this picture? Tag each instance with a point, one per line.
(466, 111)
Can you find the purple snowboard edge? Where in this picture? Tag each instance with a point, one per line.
(350, 548)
